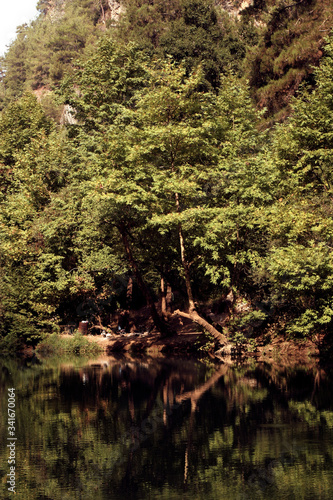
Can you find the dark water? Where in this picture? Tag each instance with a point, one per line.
(167, 429)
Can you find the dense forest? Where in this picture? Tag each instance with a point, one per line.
(178, 149)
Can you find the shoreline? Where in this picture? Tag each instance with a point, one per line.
(190, 343)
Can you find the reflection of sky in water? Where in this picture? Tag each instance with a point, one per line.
(170, 429)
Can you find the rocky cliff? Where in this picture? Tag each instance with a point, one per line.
(234, 7)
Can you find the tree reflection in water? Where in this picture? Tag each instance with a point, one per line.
(169, 428)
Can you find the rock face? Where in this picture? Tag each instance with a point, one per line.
(234, 7)
(68, 116)
(55, 9)
(115, 10)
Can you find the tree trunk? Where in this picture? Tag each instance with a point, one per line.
(158, 322)
(196, 318)
(197, 393)
(169, 298)
(192, 312)
(102, 9)
(129, 293)
(186, 270)
(164, 300)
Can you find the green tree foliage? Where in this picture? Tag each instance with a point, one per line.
(14, 67)
(163, 171)
(108, 81)
(191, 31)
(46, 50)
(290, 46)
(298, 265)
(158, 152)
(21, 124)
(34, 168)
(276, 44)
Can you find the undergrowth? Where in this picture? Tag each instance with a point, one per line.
(77, 344)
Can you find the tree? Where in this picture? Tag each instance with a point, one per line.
(35, 166)
(298, 263)
(191, 31)
(45, 51)
(174, 144)
(290, 47)
(157, 172)
(14, 67)
(22, 123)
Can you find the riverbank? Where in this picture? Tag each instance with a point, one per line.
(146, 343)
(196, 343)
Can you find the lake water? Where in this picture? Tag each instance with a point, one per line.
(167, 429)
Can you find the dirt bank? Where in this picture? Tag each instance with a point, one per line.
(193, 342)
(186, 342)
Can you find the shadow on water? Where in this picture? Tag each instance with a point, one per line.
(168, 428)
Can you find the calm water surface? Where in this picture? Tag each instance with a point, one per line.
(168, 429)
